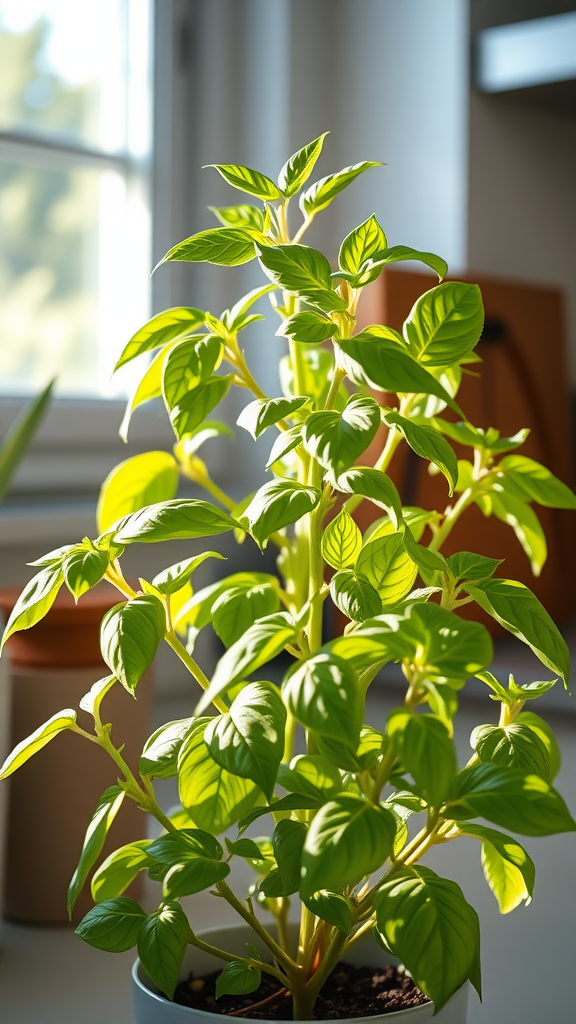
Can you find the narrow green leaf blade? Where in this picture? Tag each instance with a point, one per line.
(106, 810)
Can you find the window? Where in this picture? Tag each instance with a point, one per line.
(75, 146)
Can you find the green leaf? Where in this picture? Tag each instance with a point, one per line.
(513, 744)
(363, 242)
(376, 486)
(113, 925)
(19, 435)
(193, 859)
(516, 608)
(35, 601)
(322, 192)
(163, 328)
(525, 523)
(303, 271)
(162, 942)
(511, 798)
(362, 759)
(135, 483)
(190, 444)
(310, 775)
(148, 387)
(429, 562)
(237, 979)
(195, 405)
(425, 749)
(508, 869)
(544, 732)
(286, 441)
(197, 611)
(341, 541)
(26, 749)
(275, 505)
(414, 517)
(106, 810)
(465, 565)
(159, 757)
(389, 367)
(292, 802)
(387, 566)
(234, 611)
(348, 839)
(180, 519)
(213, 797)
(261, 642)
(538, 482)
(475, 437)
(310, 327)
(336, 439)
(288, 841)
(130, 635)
(91, 701)
(445, 323)
(323, 695)
(332, 907)
(189, 364)
(241, 216)
(426, 922)
(226, 247)
(247, 180)
(246, 848)
(116, 873)
(299, 167)
(172, 579)
(428, 444)
(372, 268)
(263, 413)
(249, 740)
(354, 595)
(84, 568)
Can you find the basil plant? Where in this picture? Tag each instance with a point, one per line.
(350, 820)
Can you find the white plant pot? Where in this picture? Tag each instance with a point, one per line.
(152, 1008)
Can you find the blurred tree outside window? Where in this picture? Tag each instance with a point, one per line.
(75, 140)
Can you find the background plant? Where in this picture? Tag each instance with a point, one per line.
(340, 811)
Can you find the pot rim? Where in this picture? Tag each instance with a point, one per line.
(140, 980)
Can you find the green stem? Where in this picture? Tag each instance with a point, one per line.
(194, 669)
(206, 947)
(451, 518)
(251, 919)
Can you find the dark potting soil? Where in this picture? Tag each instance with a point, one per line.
(348, 992)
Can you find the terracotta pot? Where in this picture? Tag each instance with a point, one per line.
(53, 796)
(151, 1007)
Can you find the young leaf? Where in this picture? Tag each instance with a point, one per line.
(425, 749)
(135, 483)
(465, 565)
(322, 192)
(377, 487)
(519, 611)
(263, 413)
(287, 841)
(249, 740)
(387, 566)
(130, 635)
(159, 757)
(389, 367)
(341, 541)
(189, 364)
(299, 167)
(303, 271)
(310, 775)
(237, 978)
(310, 327)
(332, 907)
(275, 505)
(35, 600)
(84, 568)
(106, 810)
(425, 920)
(360, 760)
(354, 595)
(116, 873)
(286, 441)
(429, 444)
(445, 323)
(160, 330)
(171, 580)
(194, 406)
(261, 642)
(373, 267)
(113, 925)
(246, 848)
(363, 242)
(193, 860)
(226, 247)
(323, 695)
(92, 700)
(247, 180)
(511, 798)
(242, 216)
(336, 439)
(508, 869)
(180, 519)
(162, 942)
(347, 840)
(234, 611)
(213, 797)
(544, 733)
(538, 482)
(514, 744)
(26, 749)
